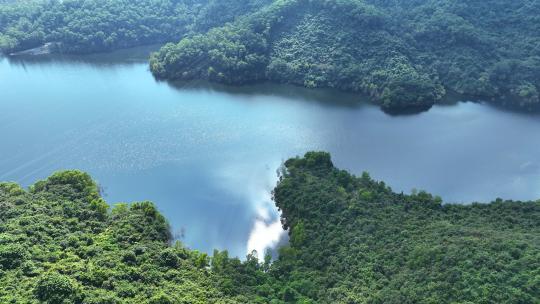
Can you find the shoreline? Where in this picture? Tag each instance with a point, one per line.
(45, 49)
(451, 98)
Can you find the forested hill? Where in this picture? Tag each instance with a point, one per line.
(84, 26)
(59, 243)
(352, 240)
(402, 53)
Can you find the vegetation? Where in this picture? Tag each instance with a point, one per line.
(352, 240)
(401, 53)
(59, 243)
(83, 26)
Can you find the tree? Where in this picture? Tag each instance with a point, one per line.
(55, 288)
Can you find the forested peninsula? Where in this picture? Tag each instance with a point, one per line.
(402, 54)
(352, 240)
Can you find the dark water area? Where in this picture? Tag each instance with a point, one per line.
(207, 155)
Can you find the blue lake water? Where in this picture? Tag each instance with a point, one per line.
(207, 155)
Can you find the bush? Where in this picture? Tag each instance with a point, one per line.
(54, 288)
(12, 255)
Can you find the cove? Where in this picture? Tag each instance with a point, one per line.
(208, 155)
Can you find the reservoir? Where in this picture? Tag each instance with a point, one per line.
(207, 155)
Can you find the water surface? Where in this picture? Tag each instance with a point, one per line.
(207, 155)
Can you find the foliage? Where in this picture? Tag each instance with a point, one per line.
(402, 54)
(54, 288)
(352, 240)
(60, 243)
(82, 26)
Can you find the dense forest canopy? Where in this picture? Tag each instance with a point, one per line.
(352, 240)
(83, 26)
(402, 53)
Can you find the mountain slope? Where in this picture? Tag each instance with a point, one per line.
(403, 54)
(84, 26)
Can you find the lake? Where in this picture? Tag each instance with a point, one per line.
(207, 155)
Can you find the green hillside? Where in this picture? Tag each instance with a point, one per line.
(401, 54)
(352, 240)
(59, 244)
(85, 26)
